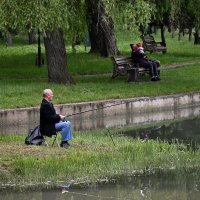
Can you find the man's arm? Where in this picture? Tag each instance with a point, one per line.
(50, 114)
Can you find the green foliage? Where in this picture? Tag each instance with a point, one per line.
(129, 15)
(165, 10)
(194, 9)
(77, 28)
(8, 14)
(43, 15)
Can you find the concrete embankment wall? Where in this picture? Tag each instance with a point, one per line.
(112, 113)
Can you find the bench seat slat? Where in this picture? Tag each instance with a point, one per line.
(125, 65)
(124, 61)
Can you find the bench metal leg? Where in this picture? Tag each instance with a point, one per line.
(133, 75)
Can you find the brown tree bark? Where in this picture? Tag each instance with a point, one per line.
(180, 35)
(162, 30)
(197, 37)
(31, 37)
(9, 41)
(173, 31)
(181, 30)
(101, 29)
(56, 58)
(190, 34)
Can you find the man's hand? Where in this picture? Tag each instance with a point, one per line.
(62, 117)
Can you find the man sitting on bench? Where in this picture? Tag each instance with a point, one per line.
(139, 57)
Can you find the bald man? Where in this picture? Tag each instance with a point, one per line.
(50, 122)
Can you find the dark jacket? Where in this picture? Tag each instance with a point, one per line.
(138, 57)
(48, 118)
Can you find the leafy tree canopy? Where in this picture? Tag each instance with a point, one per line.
(42, 14)
(129, 14)
(194, 9)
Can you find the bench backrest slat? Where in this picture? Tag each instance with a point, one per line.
(122, 58)
(122, 61)
(151, 45)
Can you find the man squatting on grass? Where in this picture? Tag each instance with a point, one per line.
(50, 122)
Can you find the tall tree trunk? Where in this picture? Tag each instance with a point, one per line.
(56, 58)
(197, 37)
(180, 35)
(181, 31)
(190, 34)
(31, 37)
(162, 30)
(74, 43)
(155, 29)
(101, 29)
(172, 31)
(9, 41)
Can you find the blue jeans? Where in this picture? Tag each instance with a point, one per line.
(66, 130)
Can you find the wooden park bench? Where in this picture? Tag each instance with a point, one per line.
(125, 66)
(149, 44)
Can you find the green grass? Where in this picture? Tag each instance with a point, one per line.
(21, 82)
(22, 93)
(91, 156)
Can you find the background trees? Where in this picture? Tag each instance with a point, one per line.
(102, 19)
(101, 29)
(51, 18)
(193, 9)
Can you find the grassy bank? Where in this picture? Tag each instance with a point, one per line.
(21, 82)
(91, 156)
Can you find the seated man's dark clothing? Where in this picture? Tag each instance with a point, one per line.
(143, 61)
(48, 118)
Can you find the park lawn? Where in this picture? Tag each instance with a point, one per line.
(16, 93)
(21, 82)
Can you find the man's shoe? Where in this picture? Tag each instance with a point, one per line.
(153, 79)
(158, 78)
(64, 144)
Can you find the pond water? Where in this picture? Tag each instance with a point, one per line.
(186, 131)
(165, 186)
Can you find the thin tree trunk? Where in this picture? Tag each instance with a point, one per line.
(180, 35)
(172, 31)
(74, 43)
(9, 41)
(181, 32)
(101, 29)
(56, 58)
(190, 34)
(162, 30)
(31, 37)
(155, 29)
(196, 37)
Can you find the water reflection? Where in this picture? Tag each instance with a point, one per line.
(155, 187)
(187, 131)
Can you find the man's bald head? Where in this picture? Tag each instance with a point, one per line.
(48, 94)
